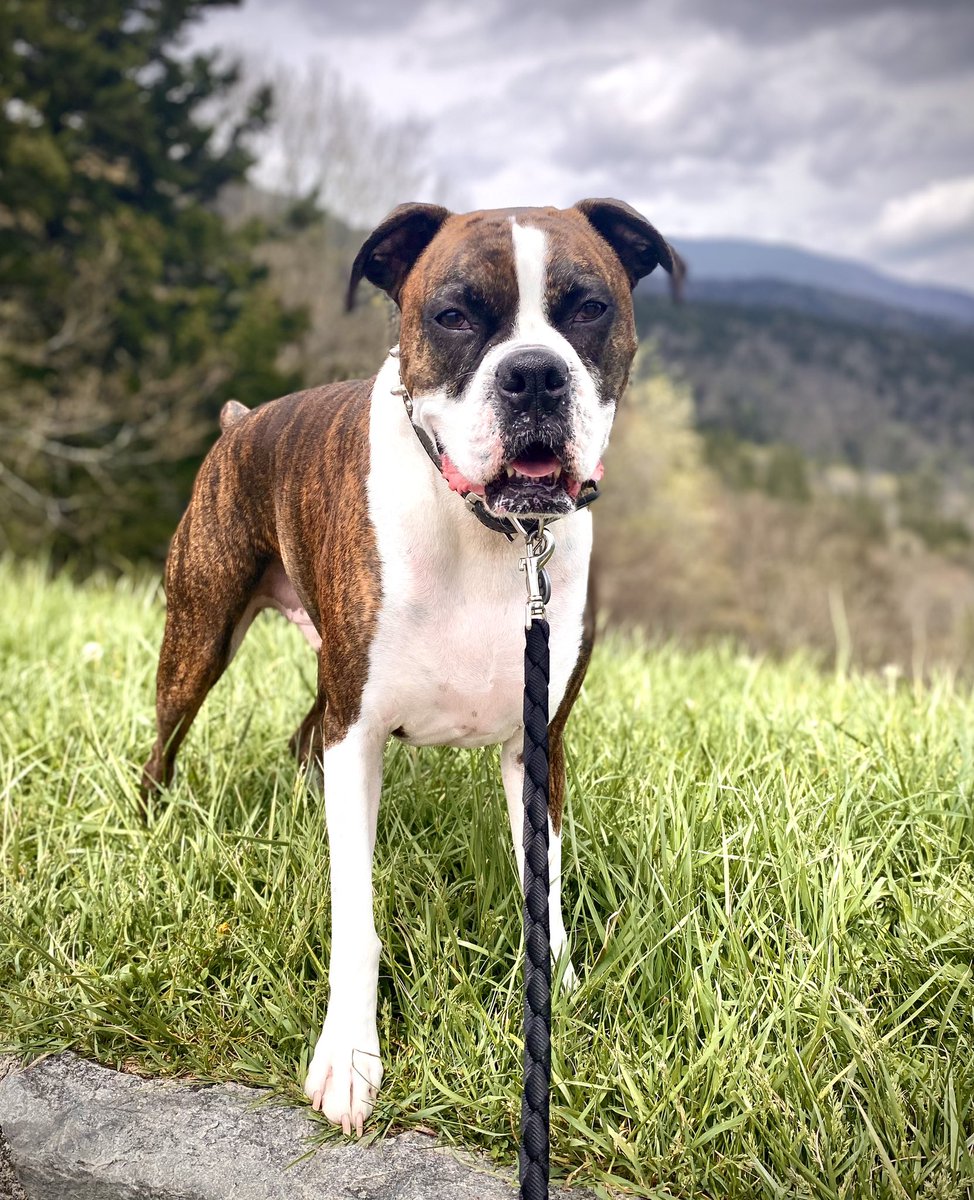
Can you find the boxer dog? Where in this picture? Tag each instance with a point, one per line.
(516, 340)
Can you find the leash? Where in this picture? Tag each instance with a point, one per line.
(539, 545)
(533, 1156)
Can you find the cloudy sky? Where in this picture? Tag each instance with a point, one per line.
(845, 126)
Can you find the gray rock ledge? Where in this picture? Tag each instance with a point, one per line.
(77, 1131)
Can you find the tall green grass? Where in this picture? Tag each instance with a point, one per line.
(769, 890)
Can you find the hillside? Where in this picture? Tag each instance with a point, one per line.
(886, 398)
(841, 307)
(700, 536)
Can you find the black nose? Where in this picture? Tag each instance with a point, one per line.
(532, 377)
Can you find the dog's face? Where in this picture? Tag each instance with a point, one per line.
(516, 339)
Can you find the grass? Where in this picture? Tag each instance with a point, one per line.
(769, 889)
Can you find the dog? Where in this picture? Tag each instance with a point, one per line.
(353, 509)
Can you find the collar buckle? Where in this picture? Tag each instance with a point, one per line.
(539, 545)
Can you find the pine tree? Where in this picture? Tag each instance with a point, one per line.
(129, 309)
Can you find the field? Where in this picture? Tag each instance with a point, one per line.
(769, 890)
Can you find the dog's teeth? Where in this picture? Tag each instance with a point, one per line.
(556, 474)
(510, 471)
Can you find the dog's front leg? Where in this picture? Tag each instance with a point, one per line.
(346, 1070)
(512, 772)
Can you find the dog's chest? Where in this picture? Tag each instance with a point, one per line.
(447, 657)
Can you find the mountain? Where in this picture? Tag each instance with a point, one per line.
(842, 307)
(738, 261)
(840, 390)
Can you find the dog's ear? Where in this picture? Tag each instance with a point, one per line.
(391, 249)
(639, 245)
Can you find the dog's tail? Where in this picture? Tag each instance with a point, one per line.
(231, 413)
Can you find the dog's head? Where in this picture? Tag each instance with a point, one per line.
(516, 339)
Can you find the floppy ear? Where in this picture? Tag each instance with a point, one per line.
(639, 246)
(391, 249)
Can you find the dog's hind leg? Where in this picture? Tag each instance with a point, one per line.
(207, 614)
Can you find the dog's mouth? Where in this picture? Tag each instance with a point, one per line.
(535, 481)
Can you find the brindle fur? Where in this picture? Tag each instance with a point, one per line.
(281, 485)
(557, 783)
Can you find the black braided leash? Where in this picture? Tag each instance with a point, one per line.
(539, 546)
(533, 1155)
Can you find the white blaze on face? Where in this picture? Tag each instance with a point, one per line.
(591, 420)
(531, 266)
(468, 426)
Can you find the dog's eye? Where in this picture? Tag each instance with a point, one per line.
(453, 318)
(591, 310)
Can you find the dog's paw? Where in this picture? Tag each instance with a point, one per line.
(344, 1076)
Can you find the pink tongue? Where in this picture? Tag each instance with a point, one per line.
(533, 470)
(538, 468)
(459, 483)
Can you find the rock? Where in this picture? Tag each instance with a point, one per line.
(10, 1189)
(77, 1131)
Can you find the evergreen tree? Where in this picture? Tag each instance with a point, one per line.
(129, 309)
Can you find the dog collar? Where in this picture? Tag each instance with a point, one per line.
(511, 527)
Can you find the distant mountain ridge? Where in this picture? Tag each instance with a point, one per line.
(740, 261)
(883, 397)
(840, 307)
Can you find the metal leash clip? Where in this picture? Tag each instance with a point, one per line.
(539, 545)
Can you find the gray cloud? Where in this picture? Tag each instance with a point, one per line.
(378, 17)
(788, 20)
(916, 37)
(792, 120)
(919, 44)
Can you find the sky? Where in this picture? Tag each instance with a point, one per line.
(844, 126)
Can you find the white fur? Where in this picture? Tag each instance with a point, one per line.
(445, 664)
(346, 1069)
(591, 419)
(446, 657)
(467, 426)
(531, 267)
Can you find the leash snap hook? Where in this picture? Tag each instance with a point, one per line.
(539, 545)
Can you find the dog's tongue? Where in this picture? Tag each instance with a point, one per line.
(536, 468)
(458, 481)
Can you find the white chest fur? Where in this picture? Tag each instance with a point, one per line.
(447, 657)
